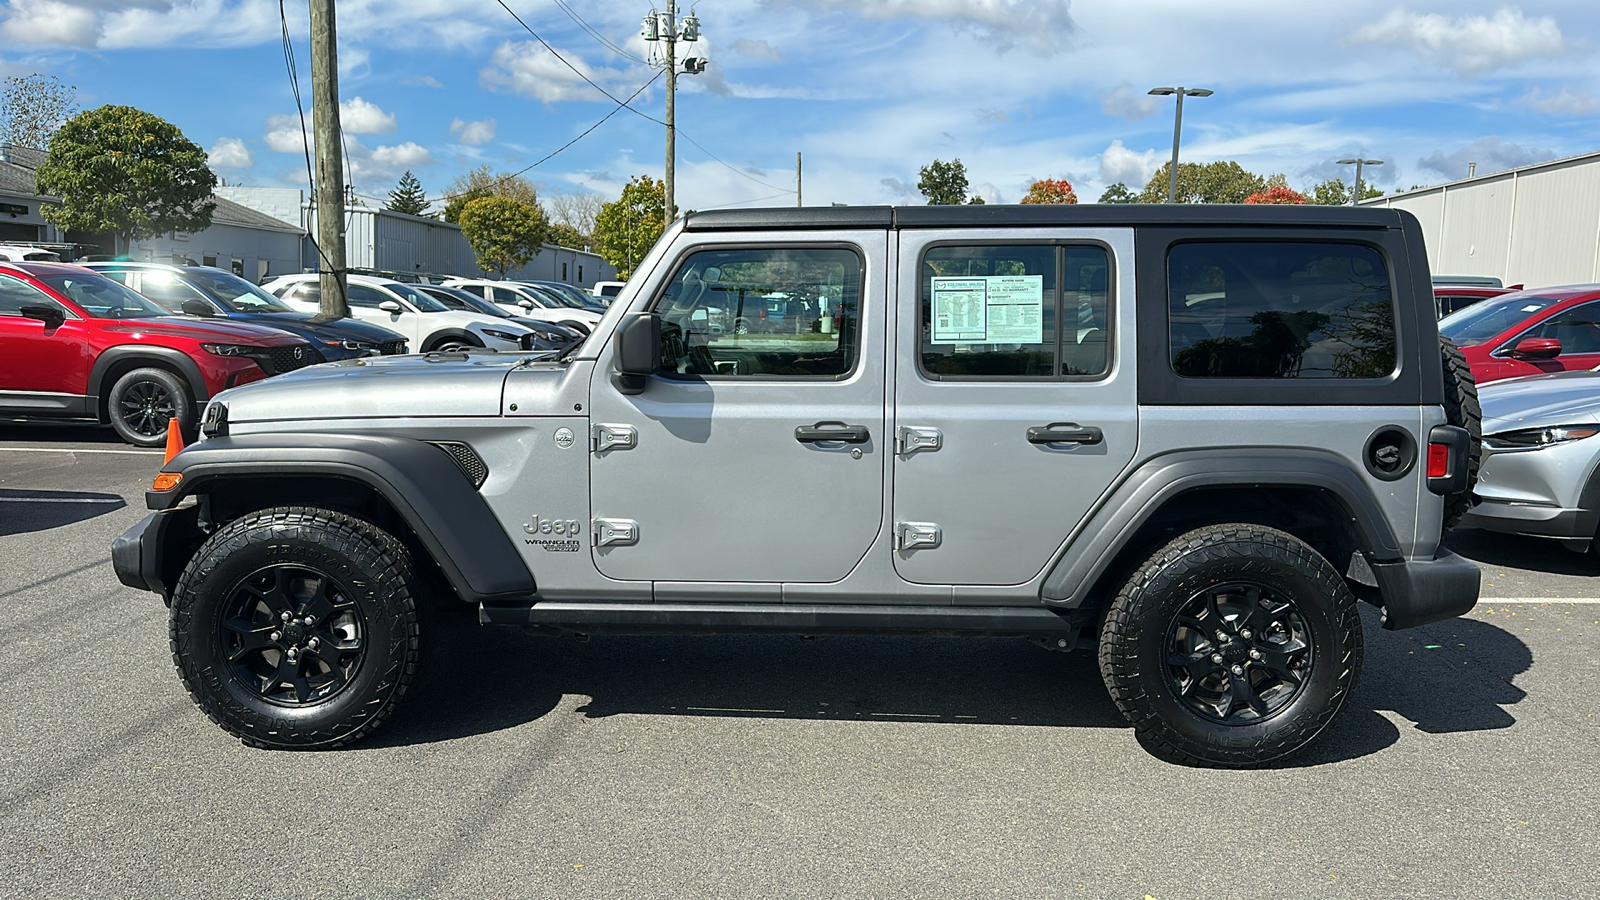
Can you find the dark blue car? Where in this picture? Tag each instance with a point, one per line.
(209, 293)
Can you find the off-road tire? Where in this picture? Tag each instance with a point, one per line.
(1461, 409)
(1134, 645)
(348, 550)
(150, 389)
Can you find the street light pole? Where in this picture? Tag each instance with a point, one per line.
(1355, 195)
(1177, 130)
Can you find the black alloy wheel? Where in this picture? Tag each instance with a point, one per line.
(293, 634)
(142, 403)
(146, 407)
(1237, 653)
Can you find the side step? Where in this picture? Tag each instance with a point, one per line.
(782, 618)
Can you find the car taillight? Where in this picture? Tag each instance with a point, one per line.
(1438, 460)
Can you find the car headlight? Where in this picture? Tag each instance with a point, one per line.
(502, 335)
(352, 345)
(226, 349)
(1531, 438)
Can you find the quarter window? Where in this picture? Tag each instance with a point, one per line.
(762, 312)
(1026, 311)
(1279, 310)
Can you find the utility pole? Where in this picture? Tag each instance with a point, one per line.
(1177, 130)
(1355, 195)
(664, 27)
(797, 185)
(325, 130)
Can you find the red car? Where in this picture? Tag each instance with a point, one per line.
(1529, 332)
(1449, 298)
(76, 343)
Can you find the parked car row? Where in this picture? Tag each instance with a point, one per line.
(136, 345)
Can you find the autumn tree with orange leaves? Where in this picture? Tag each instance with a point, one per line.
(1051, 190)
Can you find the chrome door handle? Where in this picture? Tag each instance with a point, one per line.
(826, 432)
(1065, 433)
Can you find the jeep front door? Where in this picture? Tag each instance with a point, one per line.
(754, 458)
(1015, 407)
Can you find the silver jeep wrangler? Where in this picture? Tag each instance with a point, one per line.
(1189, 437)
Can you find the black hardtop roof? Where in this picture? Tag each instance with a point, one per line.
(1042, 215)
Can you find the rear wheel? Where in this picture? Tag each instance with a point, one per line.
(296, 628)
(1231, 647)
(143, 401)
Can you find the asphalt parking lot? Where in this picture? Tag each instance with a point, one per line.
(528, 766)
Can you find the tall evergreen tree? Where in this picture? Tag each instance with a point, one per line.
(407, 197)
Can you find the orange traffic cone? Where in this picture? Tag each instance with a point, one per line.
(174, 440)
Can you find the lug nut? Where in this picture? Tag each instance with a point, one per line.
(1216, 658)
(284, 616)
(1222, 636)
(1238, 670)
(1255, 654)
(311, 620)
(312, 644)
(1244, 634)
(277, 635)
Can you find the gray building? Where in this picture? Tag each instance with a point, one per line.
(1537, 225)
(20, 221)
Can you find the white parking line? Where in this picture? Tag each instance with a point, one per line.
(71, 450)
(1491, 601)
(60, 499)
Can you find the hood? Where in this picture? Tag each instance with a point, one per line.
(350, 329)
(447, 384)
(209, 330)
(1536, 401)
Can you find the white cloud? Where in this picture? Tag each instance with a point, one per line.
(354, 62)
(230, 153)
(529, 69)
(1134, 169)
(1128, 103)
(284, 134)
(757, 49)
(1470, 44)
(400, 157)
(473, 134)
(1567, 103)
(357, 116)
(1043, 26)
(422, 81)
(50, 22)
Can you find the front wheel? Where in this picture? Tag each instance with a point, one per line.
(296, 628)
(144, 401)
(1231, 647)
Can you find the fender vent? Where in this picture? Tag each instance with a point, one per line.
(471, 465)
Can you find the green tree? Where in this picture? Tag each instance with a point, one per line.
(1223, 181)
(1119, 193)
(122, 170)
(32, 107)
(1051, 190)
(1334, 192)
(945, 184)
(626, 228)
(504, 233)
(564, 235)
(485, 182)
(408, 196)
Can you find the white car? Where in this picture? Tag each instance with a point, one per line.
(607, 291)
(427, 324)
(524, 300)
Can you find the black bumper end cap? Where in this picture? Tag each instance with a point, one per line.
(1419, 591)
(133, 565)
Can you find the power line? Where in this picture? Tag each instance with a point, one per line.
(756, 200)
(596, 34)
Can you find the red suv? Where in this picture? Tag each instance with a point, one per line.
(1529, 332)
(76, 343)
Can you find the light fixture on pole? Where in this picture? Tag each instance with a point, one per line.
(1177, 130)
(1355, 195)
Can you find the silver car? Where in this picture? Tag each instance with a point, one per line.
(1539, 458)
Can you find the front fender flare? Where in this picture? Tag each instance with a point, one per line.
(420, 481)
(1149, 487)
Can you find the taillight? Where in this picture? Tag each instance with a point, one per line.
(1438, 460)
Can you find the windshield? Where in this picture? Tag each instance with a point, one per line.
(556, 298)
(233, 292)
(1481, 321)
(102, 297)
(416, 298)
(463, 300)
(573, 295)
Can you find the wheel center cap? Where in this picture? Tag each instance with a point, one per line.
(294, 634)
(1235, 651)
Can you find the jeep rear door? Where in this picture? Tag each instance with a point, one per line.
(1015, 405)
(754, 459)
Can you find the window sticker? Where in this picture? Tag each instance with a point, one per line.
(992, 309)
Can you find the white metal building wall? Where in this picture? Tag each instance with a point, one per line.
(1538, 225)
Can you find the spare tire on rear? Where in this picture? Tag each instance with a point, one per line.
(1461, 409)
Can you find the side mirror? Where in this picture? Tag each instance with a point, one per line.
(390, 306)
(637, 349)
(1537, 348)
(44, 312)
(198, 308)
(525, 303)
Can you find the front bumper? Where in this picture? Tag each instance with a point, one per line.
(1569, 526)
(1418, 591)
(142, 556)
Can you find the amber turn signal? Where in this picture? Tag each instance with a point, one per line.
(166, 481)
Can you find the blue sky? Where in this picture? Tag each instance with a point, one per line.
(868, 90)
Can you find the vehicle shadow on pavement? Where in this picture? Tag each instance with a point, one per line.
(22, 512)
(1450, 677)
(35, 430)
(1518, 552)
(1446, 678)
